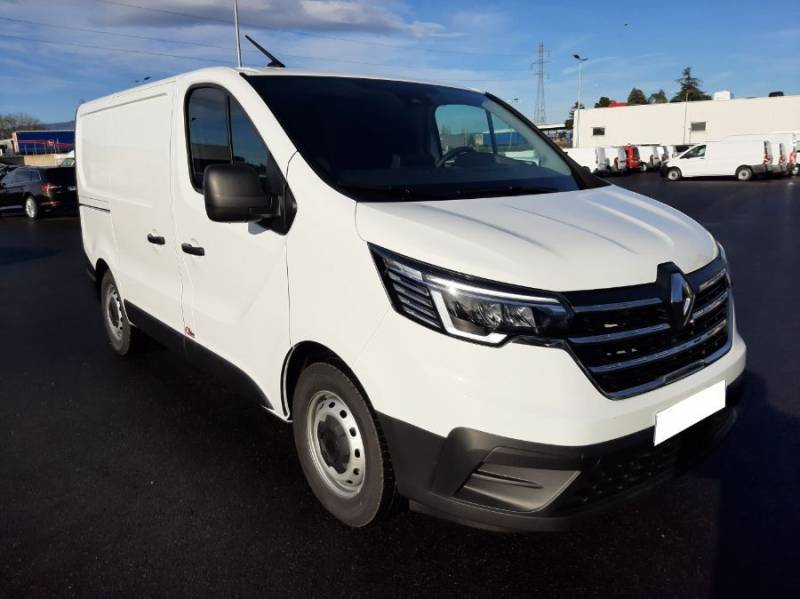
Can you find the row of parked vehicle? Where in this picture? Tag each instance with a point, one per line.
(38, 190)
(741, 156)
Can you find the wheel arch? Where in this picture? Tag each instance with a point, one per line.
(100, 269)
(302, 355)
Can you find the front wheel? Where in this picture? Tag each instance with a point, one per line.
(744, 173)
(32, 208)
(674, 174)
(341, 449)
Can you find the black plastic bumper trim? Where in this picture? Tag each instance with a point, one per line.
(430, 470)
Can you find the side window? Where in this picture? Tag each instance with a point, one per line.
(463, 126)
(597, 131)
(221, 133)
(248, 147)
(510, 142)
(697, 152)
(207, 115)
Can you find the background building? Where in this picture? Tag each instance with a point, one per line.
(687, 122)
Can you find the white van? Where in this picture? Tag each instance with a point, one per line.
(592, 159)
(502, 342)
(740, 159)
(790, 142)
(617, 159)
(649, 158)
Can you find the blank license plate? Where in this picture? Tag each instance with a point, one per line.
(690, 411)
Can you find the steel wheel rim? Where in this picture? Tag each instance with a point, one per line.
(30, 208)
(336, 444)
(114, 313)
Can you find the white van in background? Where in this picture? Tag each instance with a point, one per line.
(740, 159)
(790, 141)
(649, 158)
(486, 336)
(592, 159)
(617, 159)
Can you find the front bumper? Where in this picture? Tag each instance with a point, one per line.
(493, 482)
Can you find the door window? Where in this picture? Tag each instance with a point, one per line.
(208, 131)
(463, 126)
(248, 147)
(696, 152)
(220, 132)
(476, 129)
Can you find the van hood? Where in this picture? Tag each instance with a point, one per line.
(578, 240)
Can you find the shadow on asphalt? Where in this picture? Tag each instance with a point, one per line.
(12, 255)
(757, 529)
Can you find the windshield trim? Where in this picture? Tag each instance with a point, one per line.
(582, 179)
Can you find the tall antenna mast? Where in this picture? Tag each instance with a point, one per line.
(236, 25)
(539, 114)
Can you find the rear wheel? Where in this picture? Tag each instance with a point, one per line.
(32, 208)
(643, 167)
(121, 336)
(674, 174)
(744, 173)
(341, 448)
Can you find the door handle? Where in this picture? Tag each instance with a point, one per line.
(194, 250)
(155, 239)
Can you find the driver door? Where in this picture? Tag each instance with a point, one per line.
(235, 299)
(693, 162)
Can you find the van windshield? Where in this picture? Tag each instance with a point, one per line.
(379, 140)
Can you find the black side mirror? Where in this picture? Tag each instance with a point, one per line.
(233, 194)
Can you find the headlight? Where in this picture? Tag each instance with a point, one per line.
(465, 307)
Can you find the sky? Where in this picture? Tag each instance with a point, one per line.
(54, 54)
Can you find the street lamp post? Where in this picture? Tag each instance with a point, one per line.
(576, 115)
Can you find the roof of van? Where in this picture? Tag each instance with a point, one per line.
(266, 71)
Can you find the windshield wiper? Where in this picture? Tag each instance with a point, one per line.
(399, 192)
(502, 190)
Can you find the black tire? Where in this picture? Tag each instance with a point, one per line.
(32, 209)
(643, 167)
(323, 387)
(744, 173)
(796, 170)
(121, 336)
(674, 174)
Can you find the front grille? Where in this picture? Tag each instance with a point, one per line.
(626, 342)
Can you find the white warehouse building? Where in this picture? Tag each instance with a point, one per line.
(686, 122)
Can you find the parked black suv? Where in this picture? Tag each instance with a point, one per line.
(39, 190)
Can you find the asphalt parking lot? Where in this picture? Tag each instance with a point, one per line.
(145, 477)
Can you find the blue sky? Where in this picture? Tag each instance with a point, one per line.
(55, 53)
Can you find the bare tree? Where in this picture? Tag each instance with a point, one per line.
(17, 122)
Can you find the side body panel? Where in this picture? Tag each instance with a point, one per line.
(124, 162)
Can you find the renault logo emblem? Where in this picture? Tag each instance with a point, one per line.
(681, 300)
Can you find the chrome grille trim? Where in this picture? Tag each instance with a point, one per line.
(666, 353)
(618, 335)
(710, 306)
(705, 285)
(650, 301)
